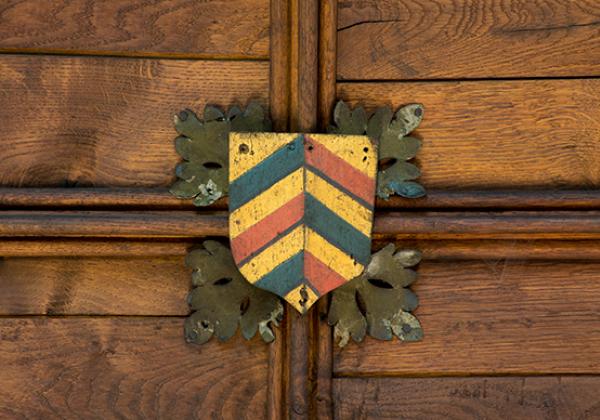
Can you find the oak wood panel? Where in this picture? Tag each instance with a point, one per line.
(493, 135)
(493, 317)
(125, 368)
(237, 28)
(438, 39)
(147, 285)
(491, 398)
(98, 121)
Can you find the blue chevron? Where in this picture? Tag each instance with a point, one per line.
(336, 230)
(274, 168)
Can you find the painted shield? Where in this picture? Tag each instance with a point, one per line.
(301, 211)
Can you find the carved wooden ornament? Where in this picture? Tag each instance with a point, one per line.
(300, 219)
(301, 211)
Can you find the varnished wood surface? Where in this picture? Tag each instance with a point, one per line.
(143, 285)
(99, 121)
(400, 225)
(440, 39)
(433, 250)
(233, 28)
(490, 398)
(126, 367)
(160, 198)
(493, 317)
(494, 135)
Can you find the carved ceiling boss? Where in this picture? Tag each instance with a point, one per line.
(301, 211)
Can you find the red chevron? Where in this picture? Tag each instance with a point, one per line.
(321, 277)
(257, 236)
(340, 171)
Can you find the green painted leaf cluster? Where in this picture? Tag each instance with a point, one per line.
(396, 175)
(222, 299)
(203, 145)
(378, 302)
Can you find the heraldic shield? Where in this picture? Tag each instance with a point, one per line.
(301, 211)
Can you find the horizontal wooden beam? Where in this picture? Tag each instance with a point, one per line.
(402, 225)
(160, 198)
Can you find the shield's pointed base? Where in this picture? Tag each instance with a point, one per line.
(301, 298)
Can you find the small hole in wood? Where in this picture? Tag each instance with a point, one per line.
(244, 148)
(366, 149)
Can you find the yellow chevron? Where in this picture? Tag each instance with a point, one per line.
(338, 202)
(266, 203)
(260, 146)
(331, 256)
(274, 255)
(294, 298)
(351, 149)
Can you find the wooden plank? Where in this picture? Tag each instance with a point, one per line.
(493, 317)
(436, 249)
(524, 225)
(491, 398)
(494, 135)
(160, 198)
(125, 368)
(97, 121)
(440, 39)
(144, 285)
(234, 28)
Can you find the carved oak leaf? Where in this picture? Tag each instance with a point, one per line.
(396, 175)
(378, 302)
(203, 144)
(222, 299)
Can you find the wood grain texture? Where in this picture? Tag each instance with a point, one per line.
(493, 317)
(147, 285)
(439, 39)
(525, 398)
(125, 368)
(236, 28)
(492, 135)
(160, 198)
(97, 121)
(524, 225)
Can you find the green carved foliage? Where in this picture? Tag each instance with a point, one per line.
(203, 145)
(396, 147)
(222, 299)
(378, 302)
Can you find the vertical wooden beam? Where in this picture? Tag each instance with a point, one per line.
(303, 118)
(279, 98)
(302, 94)
(327, 60)
(279, 92)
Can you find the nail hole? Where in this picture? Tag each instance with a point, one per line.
(366, 149)
(303, 296)
(244, 148)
